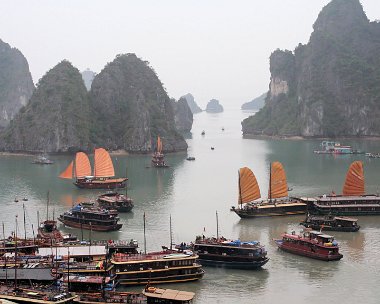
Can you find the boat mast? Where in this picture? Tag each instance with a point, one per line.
(170, 231)
(126, 182)
(16, 255)
(270, 182)
(144, 236)
(68, 269)
(217, 226)
(47, 207)
(5, 258)
(38, 219)
(23, 207)
(240, 197)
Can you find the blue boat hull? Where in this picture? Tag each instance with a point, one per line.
(234, 265)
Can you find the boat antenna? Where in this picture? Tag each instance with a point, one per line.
(34, 237)
(217, 226)
(240, 197)
(16, 255)
(5, 258)
(144, 236)
(23, 207)
(171, 234)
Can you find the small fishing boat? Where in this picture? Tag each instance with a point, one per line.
(312, 244)
(115, 200)
(190, 158)
(80, 169)
(331, 223)
(158, 160)
(203, 132)
(42, 160)
(167, 296)
(278, 202)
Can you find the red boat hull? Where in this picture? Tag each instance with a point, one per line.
(309, 252)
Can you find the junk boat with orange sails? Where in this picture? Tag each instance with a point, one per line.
(312, 244)
(80, 169)
(158, 160)
(278, 202)
(353, 201)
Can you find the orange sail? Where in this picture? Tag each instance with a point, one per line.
(278, 186)
(103, 164)
(248, 188)
(68, 172)
(159, 145)
(82, 165)
(354, 184)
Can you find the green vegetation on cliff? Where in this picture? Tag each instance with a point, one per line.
(329, 87)
(57, 117)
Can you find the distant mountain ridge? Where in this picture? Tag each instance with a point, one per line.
(330, 86)
(255, 104)
(16, 84)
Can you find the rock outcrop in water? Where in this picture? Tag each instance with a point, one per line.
(131, 108)
(330, 86)
(255, 104)
(214, 106)
(183, 115)
(192, 104)
(57, 117)
(16, 84)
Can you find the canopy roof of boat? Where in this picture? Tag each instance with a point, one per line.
(169, 294)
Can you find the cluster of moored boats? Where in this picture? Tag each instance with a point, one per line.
(58, 268)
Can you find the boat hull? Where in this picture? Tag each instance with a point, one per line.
(253, 265)
(161, 278)
(271, 210)
(90, 227)
(330, 228)
(19, 299)
(99, 185)
(307, 253)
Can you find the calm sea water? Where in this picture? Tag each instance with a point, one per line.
(192, 191)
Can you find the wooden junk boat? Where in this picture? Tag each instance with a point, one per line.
(35, 295)
(353, 201)
(166, 266)
(331, 223)
(80, 169)
(230, 254)
(87, 216)
(158, 160)
(278, 202)
(312, 244)
(115, 200)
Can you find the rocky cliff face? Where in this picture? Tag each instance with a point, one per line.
(56, 119)
(16, 84)
(131, 108)
(329, 87)
(192, 104)
(214, 106)
(183, 115)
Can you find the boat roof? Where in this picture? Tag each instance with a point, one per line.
(325, 236)
(88, 279)
(347, 198)
(74, 251)
(344, 218)
(169, 294)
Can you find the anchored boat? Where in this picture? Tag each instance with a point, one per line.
(158, 160)
(80, 169)
(353, 201)
(278, 202)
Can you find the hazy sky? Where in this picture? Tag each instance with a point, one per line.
(210, 48)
